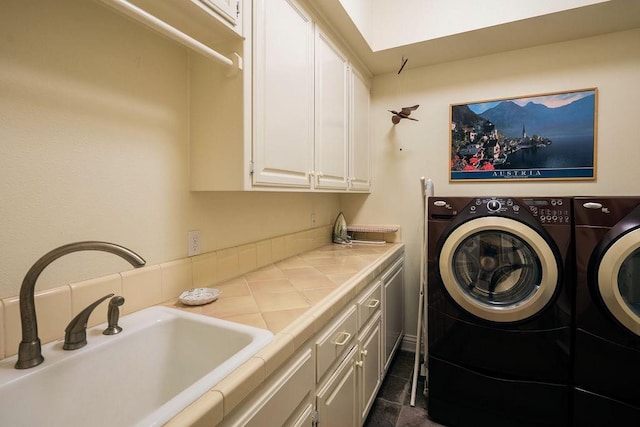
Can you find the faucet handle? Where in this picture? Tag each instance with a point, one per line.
(112, 315)
(75, 334)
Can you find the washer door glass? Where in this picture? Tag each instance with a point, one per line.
(498, 269)
(629, 281)
(619, 280)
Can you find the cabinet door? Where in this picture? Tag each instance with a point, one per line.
(305, 419)
(282, 94)
(336, 402)
(370, 365)
(359, 156)
(331, 114)
(393, 302)
(228, 9)
(284, 400)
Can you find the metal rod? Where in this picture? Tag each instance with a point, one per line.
(423, 259)
(173, 33)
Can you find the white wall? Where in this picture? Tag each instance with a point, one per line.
(93, 146)
(361, 13)
(93, 142)
(403, 153)
(385, 25)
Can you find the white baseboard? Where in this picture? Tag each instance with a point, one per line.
(409, 344)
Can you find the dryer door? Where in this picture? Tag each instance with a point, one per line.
(498, 269)
(619, 280)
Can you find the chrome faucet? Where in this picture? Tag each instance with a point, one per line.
(29, 351)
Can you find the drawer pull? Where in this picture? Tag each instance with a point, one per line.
(374, 303)
(364, 353)
(360, 364)
(344, 338)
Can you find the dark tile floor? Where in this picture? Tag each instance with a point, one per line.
(391, 407)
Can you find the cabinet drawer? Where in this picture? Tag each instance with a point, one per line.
(335, 340)
(282, 399)
(369, 303)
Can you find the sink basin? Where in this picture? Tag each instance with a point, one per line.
(162, 361)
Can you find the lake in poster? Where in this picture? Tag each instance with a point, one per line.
(548, 136)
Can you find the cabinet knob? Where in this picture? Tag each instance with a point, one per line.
(360, 364)
(364, 353)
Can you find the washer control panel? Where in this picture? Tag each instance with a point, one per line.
(546, 210)
(550, 211)
(493, 205)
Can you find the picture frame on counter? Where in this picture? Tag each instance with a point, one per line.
(550, 136)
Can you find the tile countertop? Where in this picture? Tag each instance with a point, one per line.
(293, 298)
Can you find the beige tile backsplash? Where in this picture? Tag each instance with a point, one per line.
(141, 288)
(155, 284)
(176, 277)
(247, 257)
(204, 269)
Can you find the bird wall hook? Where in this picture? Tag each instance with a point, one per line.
(403, 114)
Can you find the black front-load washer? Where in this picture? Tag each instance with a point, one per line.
(607, 337)
(499, 301)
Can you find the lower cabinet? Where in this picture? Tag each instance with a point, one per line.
(336, 399)
(345, 397)
(333, 379)
(346, 393)
(393, 315)
(370, 365)
(286, 399)
(307, 418)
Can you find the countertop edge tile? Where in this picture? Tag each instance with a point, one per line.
(207, 410)
(277, 352)
(325, 310)
(236, 386)
(303, 329)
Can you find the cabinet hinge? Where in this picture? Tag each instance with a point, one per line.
(251, 165)
(238, 9)
(315, 418)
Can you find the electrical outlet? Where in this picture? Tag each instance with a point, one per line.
(314, 220)
(193, 243)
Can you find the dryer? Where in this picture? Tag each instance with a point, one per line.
(499, 301)
(607, 336)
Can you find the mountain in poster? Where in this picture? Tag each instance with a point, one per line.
(572, 119)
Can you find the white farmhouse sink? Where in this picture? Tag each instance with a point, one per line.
(162, 361)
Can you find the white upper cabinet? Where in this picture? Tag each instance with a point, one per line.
(308, 117)
(283, 101)
(359, 155)
(227, 9)
(331, 115)
(210, 22)
(295, 118)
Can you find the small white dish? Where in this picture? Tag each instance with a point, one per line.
(199, 296)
